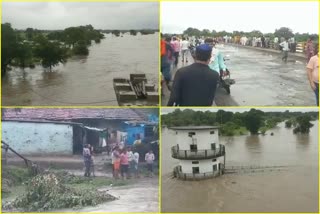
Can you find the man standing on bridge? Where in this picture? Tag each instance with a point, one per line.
(285, 49)
(195, 85)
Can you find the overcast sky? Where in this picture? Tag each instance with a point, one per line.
(242, 16)
(168, 110)
(60, 15)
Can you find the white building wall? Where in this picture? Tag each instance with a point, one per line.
(203, 138)
(204, 165)
(38, 138)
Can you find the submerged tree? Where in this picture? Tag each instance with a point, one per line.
(116, 32)
(288, 124)
(9, 46)
(133, 32)
(253, 121)
(24, 54)
(80, 48)
(50, 53)
(303, 124)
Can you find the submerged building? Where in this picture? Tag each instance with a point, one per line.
(199, 153)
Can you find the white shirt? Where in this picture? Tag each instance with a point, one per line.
(149, 157)
(130, 156)
(184, 45)
(113, 158)
(285, 46)
(136, 157)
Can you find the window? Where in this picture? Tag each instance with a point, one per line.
(215, 167)
(190, 134)
(214, 160)
(195, 162)
(193, 147)
(212, 132)
(213, 146)
(195, 170)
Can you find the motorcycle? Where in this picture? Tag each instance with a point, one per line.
(225, 79)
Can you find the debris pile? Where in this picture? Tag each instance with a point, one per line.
(48, 191)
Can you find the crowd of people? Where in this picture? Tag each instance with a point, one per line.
(125, 161)
(195, 84)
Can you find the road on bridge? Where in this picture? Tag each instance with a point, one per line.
(262, 79)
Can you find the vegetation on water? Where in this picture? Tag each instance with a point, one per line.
(281, 32)
(53, 190)
(253, 121)
(25, 48)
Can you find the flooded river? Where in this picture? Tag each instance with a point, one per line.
(85, 80)
(262, 79)
(293, 189)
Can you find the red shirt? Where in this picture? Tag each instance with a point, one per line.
(124, 159)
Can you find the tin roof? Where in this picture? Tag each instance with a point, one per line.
(67, 114)
(194, 127)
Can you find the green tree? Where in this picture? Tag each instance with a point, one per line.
(253, 121)
(255, 33)
(303, 124)
(223, 116)
(192, 32)
(283, 32)
(288, 124)
(29, 33)
(80, 48)
(57, 35)
(9, 46)
(206, 33)
(50, 53)
(74, 35)
(24, 54)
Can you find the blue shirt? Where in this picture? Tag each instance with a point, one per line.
(217, 61)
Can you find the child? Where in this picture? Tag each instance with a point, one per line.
(116, 162)
(87, 160)
(149, 158)
(92, 159)
(124, 164)
(136, 163)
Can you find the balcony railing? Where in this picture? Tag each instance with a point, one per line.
(197, 154)
(196, 176)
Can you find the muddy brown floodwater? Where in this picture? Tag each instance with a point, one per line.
(85, 80)
(292, 189)
(261, 79)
